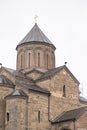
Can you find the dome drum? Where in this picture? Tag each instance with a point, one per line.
(35, 51)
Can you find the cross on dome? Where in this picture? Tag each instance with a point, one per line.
(35, 18)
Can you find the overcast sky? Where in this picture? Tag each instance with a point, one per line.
(64, 22)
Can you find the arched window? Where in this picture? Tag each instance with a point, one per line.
(7, 116)
(47, 61)
(64, 91)
(29, 58)
(53, 59)
(38, 59)
(65, 128)
(21, 61)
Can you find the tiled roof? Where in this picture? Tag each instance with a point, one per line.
(50, 73)
(70, 115)
(35, 35)
(17, 73)
(33, 87)
(5, 80)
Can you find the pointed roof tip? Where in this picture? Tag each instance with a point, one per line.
(35, 35)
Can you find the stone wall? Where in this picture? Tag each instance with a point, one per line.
(16, 107)
(4, 91)
(34, 75)
(81, 123)
(37, 109)
(38, 112)
(2, 114)
(40, 55)
(58, 102)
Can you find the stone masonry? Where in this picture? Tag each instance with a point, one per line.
(34, 94)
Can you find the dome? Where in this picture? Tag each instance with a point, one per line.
(35, 35)
(35, 51)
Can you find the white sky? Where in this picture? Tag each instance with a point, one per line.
(64, 22)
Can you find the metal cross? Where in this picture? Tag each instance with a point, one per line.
(35, 18)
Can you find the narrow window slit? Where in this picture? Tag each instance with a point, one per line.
(7, 116)
(39, 116)
(64, 91)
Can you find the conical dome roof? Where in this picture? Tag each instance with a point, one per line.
(35, 35)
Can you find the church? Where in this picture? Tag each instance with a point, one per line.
(38, 95)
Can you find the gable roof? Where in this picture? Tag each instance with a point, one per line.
(14, 72)
(69, 115)
(53, 71)
(17, 73)
(33, 87)
(35, 35)
(5, 81)
(17, 92)
(34, 70)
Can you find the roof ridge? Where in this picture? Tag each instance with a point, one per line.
(57, 117)
(35, 35)
(33, 87)
(17, 73)
(72, 114)
(50, 72)
(43, 34)
(17, 92)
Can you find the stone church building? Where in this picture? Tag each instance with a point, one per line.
(38, 95)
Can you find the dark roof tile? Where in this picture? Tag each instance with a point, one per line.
(50, 73)
(35, 35)
(4, 80)
(17, 73)
(33, 87)
(54, 71)
(70, 115)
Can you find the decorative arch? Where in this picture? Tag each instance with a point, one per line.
(47, 59)
(29, 58)
(65, 128)
(39, 56)
(39, 59)
(53, 59)
(22, 60)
